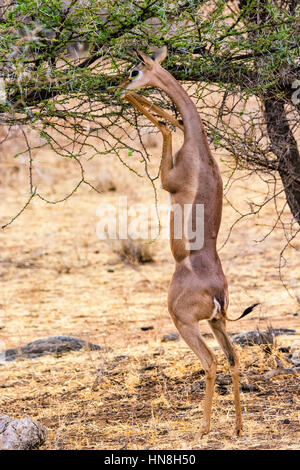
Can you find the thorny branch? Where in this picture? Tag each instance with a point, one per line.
(61, 63)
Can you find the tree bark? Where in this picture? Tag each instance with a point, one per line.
(284, 146)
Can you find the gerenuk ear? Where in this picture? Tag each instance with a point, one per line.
(160, 54)
(145, 59)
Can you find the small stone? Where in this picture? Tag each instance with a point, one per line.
(295, 359)
(170, 337)
(249, 388)
(122, 358)
(53, 344)
(146, 328)
(284, 349)
(150, 367)
(222, 390)
(295, 346)
(158, 352)
(21, 434)
(249, 338)
(197, 387)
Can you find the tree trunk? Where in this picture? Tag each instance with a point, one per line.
(285, 148)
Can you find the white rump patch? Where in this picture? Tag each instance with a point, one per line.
(216, 309)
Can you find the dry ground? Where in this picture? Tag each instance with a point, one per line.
(58, 278)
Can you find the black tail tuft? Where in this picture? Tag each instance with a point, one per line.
(245, 312)
(248, 310)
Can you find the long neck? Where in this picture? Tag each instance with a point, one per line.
(192, 122)
(209, 190)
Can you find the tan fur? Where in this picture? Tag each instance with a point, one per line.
(198, 289)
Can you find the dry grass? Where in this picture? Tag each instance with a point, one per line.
(135, 251)
(57, 277)
(148, 397)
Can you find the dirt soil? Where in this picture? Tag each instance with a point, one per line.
(58, 278)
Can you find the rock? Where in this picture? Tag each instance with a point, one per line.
(222, 390)
(54, 344)
(151, 367)
(294, 353)
(249, 388)
(249, 338)
(282, 331)
(122, 358)
(284, 349)
(223, 380)
(170, 337)
(197, 387)
(295, 359)
(295, 346)
(279, 371)
(21, 434)
(158, 352)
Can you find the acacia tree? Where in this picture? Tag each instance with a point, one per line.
(61, 63)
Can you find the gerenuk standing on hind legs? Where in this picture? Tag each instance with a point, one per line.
(198, 289)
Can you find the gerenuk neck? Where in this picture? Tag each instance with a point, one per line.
(209, 184)
(193, 126)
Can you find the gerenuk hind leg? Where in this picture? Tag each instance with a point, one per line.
(218, 326)
(190, 332)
